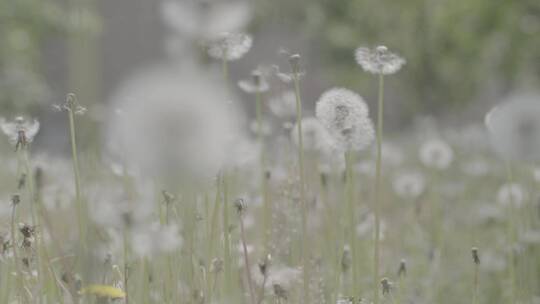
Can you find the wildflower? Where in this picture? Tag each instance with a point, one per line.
(379, 60)
(511, 193)
(315, 136)
(514, 127)
(104, 291)
(283, 105)
(287, 77)
(346, 116)
(409, 185)
(257, 83)
(20, 132)
(230, 46)
(436, 154)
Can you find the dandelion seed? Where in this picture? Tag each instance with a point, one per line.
(20, 132)
(346, 116)
(436, 154)
(379, 60)
(514, 127)
(230, 46)
(257, 83)
(409, 185)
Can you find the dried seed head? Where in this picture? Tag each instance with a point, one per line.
(386, 286)
(294, 61)
(346, 259)
(475, 256)
(15, 199)
(27, 231)
(280, 292)
(264, 265)
(216, 266)
(240, 205)
(402, 270)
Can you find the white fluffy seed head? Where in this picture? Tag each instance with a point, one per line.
(229, 46)
(379, 60)
(346, 116)
(436, 154)
(511, 194)
(315, 136)
(172, 124)
(514, 127)
(409, 185)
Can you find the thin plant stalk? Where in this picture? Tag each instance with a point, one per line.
(376, 205)
(512, 238)
(305, 262)
(20, 280)
(226, 238)
(349, 160)
(476, 284)
(246, 261)
(74, 155)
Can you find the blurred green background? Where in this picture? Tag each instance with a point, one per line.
(459, 52)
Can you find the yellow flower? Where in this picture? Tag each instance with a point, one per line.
(104, 291)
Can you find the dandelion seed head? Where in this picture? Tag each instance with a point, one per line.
(229, 46)
(511, 193)
(315, 136)
(283, 105)
(346, 116)
(256, 84)
(379, 60)
(409, 185)
(205, 19)
(514, 127)
(13, 129)
(436, 154)
(172, 124)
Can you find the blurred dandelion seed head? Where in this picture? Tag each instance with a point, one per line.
(436, 154)
(346, 116)
(229, 46)
(514, 127)
(379, 60)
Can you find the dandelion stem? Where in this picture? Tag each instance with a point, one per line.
(305, 244)
(74, 155)
(349, 160)
(512, 231)
(227, 245)
(376, 206)
(246, 261)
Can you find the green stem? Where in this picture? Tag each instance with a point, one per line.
(512, 231)
(305, 244)
(79, 203)
(227, 248)
(376, 254)
(20, 280)
(349, 160)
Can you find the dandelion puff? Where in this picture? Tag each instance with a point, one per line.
(378, 60)
(20, 131)
(315, 136)
(229, 46)
(283, 105)
(436, 154)
(511, 193)
(409, 185)
(346, 116)
(256, 84)
(514, 127)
